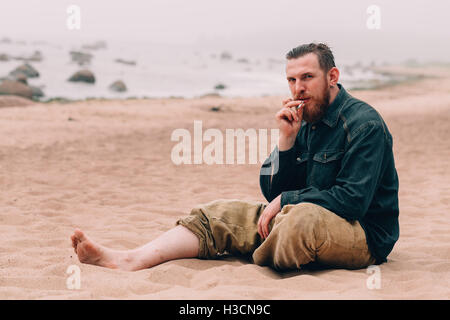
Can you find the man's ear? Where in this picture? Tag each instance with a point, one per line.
(333, 76)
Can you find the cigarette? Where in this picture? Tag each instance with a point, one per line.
(300, 105)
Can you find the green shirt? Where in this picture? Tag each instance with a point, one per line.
(344, 163)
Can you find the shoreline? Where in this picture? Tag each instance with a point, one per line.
(393, 75)
(397, 77)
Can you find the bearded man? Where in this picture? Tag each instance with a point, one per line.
(332, 190)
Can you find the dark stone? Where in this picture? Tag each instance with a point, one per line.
(220, 86)
(118, 86)
(80, 57)
(95, 46)
(83, 76)
(226, 56)
(25, 69)
(4, 57)
(11, 87)
(127, 62)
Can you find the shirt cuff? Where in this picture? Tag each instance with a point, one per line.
(286, 155)
(290, 197)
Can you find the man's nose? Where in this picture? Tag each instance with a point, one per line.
(299, 87)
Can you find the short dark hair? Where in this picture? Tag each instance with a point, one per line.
(323, 52)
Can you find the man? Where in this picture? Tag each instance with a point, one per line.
(333, 191)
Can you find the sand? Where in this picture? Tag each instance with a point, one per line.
(105, 167)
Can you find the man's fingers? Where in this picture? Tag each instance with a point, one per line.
(287, 114)
(293, 103)
(261, 224)
(286, 101)
(294, 113)
(284, 114)
(259, 228)
(266, 229)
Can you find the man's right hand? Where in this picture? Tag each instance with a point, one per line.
(289, 121)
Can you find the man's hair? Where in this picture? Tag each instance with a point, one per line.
(323, 52)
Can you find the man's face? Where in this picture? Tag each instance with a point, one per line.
(307, 81)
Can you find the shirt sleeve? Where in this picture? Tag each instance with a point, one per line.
(277, 173)
(357, 180)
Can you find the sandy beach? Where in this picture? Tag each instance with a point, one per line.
(105, 166)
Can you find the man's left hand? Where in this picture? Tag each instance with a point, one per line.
(272, 209)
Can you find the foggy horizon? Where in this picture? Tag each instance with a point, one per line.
(409, 29)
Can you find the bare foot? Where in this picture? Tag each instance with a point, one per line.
(91, 253)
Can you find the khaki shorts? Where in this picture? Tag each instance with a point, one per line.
(299, 234)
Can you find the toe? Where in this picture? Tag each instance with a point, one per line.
(79, 235)
(74, 242)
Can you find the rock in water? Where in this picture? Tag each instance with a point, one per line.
(127, 62)
(80, 57)
(4, 57)
(25, 69)
(83, 76)
(118, 86)
(220, 86)
(226, 55)
(36, 57)
(10, 87)
(95, 46)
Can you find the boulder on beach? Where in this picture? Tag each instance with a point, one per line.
(83, 76)
(11, 87)
(81, 58)
(25, 69)
(118, 86)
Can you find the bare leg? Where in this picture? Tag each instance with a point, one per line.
(176, 243)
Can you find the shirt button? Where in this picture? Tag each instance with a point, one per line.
(299, 159)
(313, 127)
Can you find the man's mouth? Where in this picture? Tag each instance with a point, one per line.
(305, 100)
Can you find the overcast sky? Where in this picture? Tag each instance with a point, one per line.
(409, 29)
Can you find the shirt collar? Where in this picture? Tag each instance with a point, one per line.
(334, 109)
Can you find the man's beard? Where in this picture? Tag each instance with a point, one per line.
(314, 113)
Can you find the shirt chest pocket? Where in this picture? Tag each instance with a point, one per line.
(325, 167)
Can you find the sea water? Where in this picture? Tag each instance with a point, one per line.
(164, 70)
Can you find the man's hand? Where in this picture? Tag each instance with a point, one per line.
(267, 215)
(289, 120)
